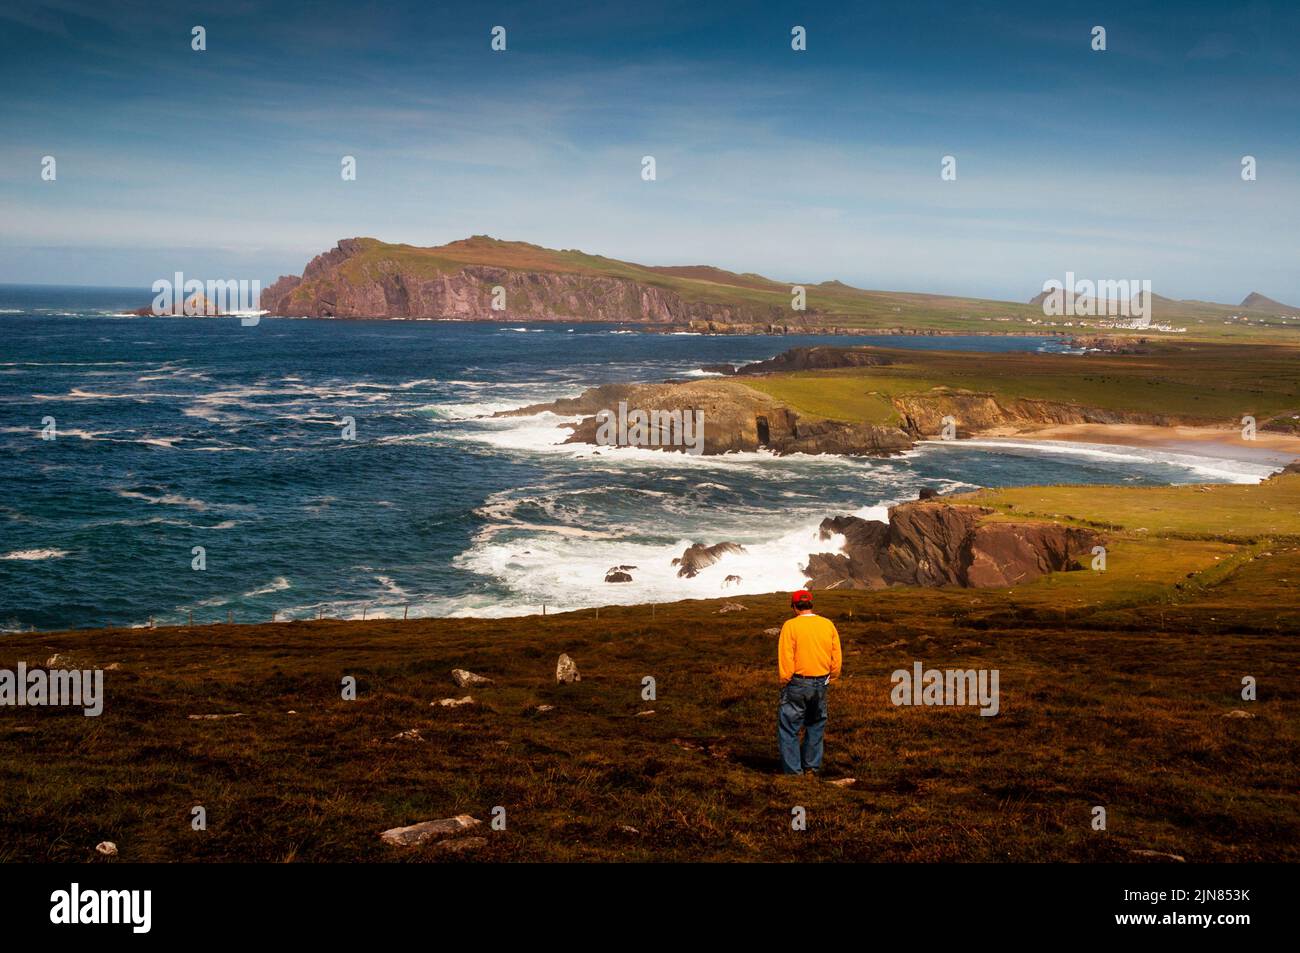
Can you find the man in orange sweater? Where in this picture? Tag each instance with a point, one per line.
(808, 659)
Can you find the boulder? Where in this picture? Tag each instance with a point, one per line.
(732, 580)
(566, 671)
(618, 575)
(466, 679)
(697, 557)
(419, 833)
(733, 607)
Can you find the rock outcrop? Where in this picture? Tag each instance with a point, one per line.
(698, 557)
(735, 418)
(817, 359)
(941, 544)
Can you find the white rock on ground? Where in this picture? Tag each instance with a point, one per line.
(107, 848)
(454, 702)
(566, 671)
(1237, 713)
(419, 833)
(733, 607)
(411, 734)
(467, 679)
(1158, 854)
(238, 714)
(772, 631)
(545, 708)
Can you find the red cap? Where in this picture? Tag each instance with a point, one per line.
(803, 595)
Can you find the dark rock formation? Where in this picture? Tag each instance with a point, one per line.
(939, 544)
(817, 358)
(724, 369)
(619, 574)
(698, 556)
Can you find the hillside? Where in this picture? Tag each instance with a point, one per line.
(1118, 688)
(873, 400)
(368, 278)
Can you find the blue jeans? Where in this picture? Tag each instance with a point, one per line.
(803, 705)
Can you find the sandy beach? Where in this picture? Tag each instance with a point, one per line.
(1266, 448)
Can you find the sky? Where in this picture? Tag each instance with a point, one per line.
(802, 166)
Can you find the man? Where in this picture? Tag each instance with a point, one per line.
(808, 659)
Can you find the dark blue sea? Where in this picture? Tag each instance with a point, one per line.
(176, 433)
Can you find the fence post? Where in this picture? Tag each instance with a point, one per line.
(405, 609)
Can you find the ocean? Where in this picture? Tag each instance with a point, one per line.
(176, 437)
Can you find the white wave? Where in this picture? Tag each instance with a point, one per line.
(278, 584)
(33, 555)
(175, 499)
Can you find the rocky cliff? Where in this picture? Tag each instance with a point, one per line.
(361, 278)
(735, 418)
(941, 544)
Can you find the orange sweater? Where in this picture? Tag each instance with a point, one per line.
(810, 645)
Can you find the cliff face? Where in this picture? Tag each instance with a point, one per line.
(736, 418)
(922, 414)
(350, 281)
(941, 544)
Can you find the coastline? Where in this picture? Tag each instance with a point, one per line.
(1218, 442)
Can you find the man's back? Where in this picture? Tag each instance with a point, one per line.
(810, 645)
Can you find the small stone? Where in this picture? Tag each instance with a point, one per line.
(54, 660)
(643, 714)
(566, 671)
(896, 645)
(454, 702)
(113, 668)
(733, 607)
(238, 714)
(772, 631)
(628, 829)
(843, 782)
(1237, 713)
(545, 708)
(419, 833)
(464, 679)
(410, 734)
(1158, 855)
(107, 848)
(291, 712)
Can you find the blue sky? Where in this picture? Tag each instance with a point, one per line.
(802, 166)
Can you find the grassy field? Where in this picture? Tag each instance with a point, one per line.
(1114, 691)
(829, 303)
(1206, 383)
